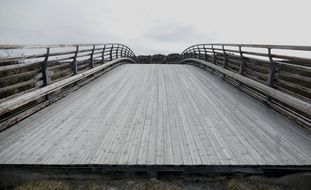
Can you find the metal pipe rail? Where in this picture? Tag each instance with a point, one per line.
(275, 66)
(45, 64)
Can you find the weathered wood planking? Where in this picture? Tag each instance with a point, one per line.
(156, 115)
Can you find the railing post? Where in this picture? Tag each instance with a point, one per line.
(271, 72)
(214, 55)
(117, 50)
(225, 58)
(122, 52)
(103, 54)
(74, 62)
(194, 52)
(199, 52)
(242, 64)
(205, 53)
(272, 69)
(92, 55)
(45, 74)
(111, 52)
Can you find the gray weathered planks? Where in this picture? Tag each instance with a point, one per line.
(156, 115)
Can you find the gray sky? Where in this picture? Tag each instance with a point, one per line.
(158, 26)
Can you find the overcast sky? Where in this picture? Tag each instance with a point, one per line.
(157, 26)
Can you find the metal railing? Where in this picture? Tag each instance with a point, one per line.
(283, 68)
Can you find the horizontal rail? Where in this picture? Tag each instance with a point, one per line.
(38, 46)
(111, 48)
(283, 47)
(281, 78)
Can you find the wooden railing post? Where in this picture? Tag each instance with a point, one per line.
(242, 64)
(45, 74)
(111, 52)
(214, 55)
(205, 53)
(272, 69)
(74, 62)
(198, 48)
(122, 52)
(194, 56)
(225, 58)
(92, 55)
(271, 72)
(103, 54)
(117, 51)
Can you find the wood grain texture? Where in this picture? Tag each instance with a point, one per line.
(156, 115)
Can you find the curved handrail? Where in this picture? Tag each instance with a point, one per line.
(124, 51)
(266, 46)
(273, 66)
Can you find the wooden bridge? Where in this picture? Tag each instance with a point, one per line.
(224, 106)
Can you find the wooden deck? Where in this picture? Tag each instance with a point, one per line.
(156, 115)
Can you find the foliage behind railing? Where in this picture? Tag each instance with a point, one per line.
(285, 68)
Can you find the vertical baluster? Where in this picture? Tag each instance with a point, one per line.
(205, 53)
(224, 60)
(194, 52)
(74, 62)
(92, 57)
(225, 57)
(214, 55)
(117, 51)
(122, 52)
(272, 69)
(198, 48)
(111, 52)
(271, 72)
(242, 64)
(103, 54)
(45, 74)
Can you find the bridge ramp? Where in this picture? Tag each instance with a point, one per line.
(139, 114)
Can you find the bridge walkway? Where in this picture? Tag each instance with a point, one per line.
(139, 114)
